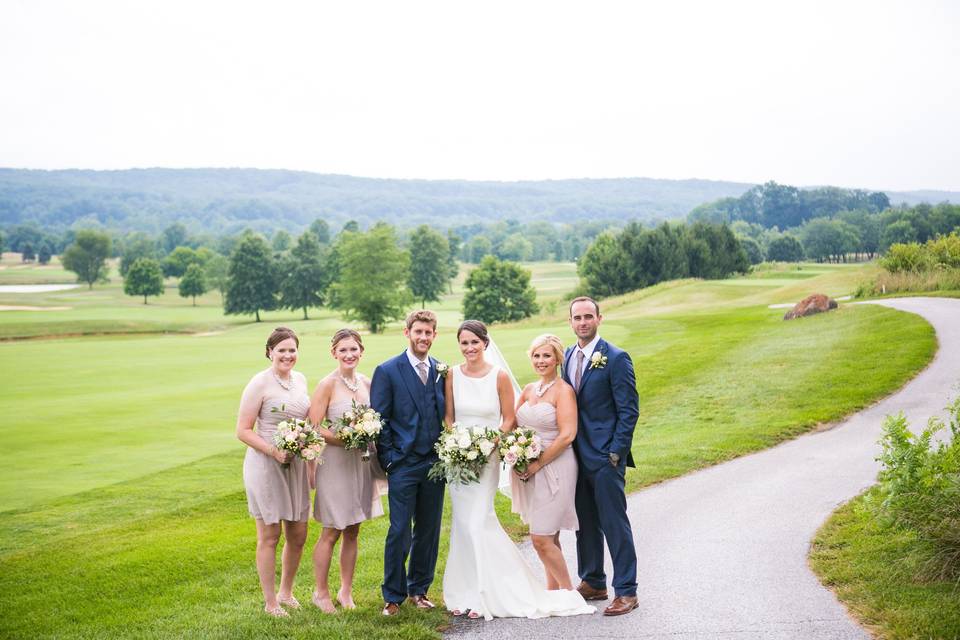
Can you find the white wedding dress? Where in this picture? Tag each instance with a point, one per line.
(485, 572)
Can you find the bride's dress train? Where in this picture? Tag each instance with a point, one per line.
(485, 571)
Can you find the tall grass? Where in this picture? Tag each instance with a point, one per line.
(912, 267)
(920, 485)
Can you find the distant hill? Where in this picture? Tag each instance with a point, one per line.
(916, 197)
(228, 200)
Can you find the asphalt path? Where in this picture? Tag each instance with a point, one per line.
(723, 552)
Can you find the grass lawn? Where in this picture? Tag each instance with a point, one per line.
(123, 506)
(873, 569)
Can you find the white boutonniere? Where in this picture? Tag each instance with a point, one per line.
(598, 360)
(442, 370)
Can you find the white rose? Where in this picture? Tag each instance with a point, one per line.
(290, 437)
(464, 440)
(521, 439)
(531, 453)
(486, 447)
(472, 455)
(515, 450)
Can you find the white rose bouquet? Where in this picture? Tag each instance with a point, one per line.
(358, 428)
(300, 438)
(463, 452)
(520, 447)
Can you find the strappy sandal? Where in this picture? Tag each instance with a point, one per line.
(474, 615)
(319, 604)
(290, 601)
(276, 612)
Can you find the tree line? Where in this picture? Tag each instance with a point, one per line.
(847, 235)
(369, 276)
(639, 257)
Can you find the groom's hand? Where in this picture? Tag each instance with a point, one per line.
(614, 459)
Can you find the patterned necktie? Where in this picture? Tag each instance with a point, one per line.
(422, 370)
(579, 372)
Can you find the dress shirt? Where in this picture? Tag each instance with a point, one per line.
(587, 352)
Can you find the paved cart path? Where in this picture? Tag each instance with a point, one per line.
(723, 552)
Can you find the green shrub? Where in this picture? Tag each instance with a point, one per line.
(942, 252)
(920, 485)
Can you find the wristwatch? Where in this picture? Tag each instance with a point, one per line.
(614, 458)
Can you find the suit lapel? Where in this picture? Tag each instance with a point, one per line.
(434, 378)
(412, 381)
(601, 349)
(566, 366)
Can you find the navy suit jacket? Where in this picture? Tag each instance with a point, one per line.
(395, 396)
(607, 407)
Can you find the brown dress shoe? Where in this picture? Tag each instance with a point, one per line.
(422, 602)
(589, 593)
(390, 609)
(621, 605)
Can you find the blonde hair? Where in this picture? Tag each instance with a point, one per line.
(345, 334)
(550, 340)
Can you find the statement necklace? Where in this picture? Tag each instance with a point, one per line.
(540, 389)
(288, 385)
(353, 386)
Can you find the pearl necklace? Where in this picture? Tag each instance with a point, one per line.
(353, 386)
(288, 385)
(540, 389)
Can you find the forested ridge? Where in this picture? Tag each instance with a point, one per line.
(223, 201)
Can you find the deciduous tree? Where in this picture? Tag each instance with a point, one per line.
(304, 280)
(144, 278)
(373, 272)
(499, 291)
(429, 264)
(87, 256)
(193, 283)
(251, 285)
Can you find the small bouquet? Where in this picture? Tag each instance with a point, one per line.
(463, 453)
(520, 447)
(300, 438)
(358, 428)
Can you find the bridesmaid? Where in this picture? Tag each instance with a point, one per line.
(544, 494)
(278, 496)
(347, 489)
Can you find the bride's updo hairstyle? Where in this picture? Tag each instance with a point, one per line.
(547, 339)
(477, 328)
(279, 335)
(345, 334)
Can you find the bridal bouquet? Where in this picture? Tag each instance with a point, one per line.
(300, 438)
(358, 428)
(463, 452)
(520, 447)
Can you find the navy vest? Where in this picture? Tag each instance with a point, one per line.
(429, 429)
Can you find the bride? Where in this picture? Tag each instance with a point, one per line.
(485, 574)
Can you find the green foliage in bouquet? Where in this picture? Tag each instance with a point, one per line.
(463, 452)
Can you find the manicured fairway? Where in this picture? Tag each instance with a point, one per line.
(123, 507)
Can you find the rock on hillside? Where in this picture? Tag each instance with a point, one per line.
(816, 303)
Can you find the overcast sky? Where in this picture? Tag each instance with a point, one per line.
(858, 94)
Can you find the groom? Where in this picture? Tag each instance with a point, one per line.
(608, 408)
(408, 394)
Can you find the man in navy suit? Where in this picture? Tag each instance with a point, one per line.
(608, 408)
(408, 394)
